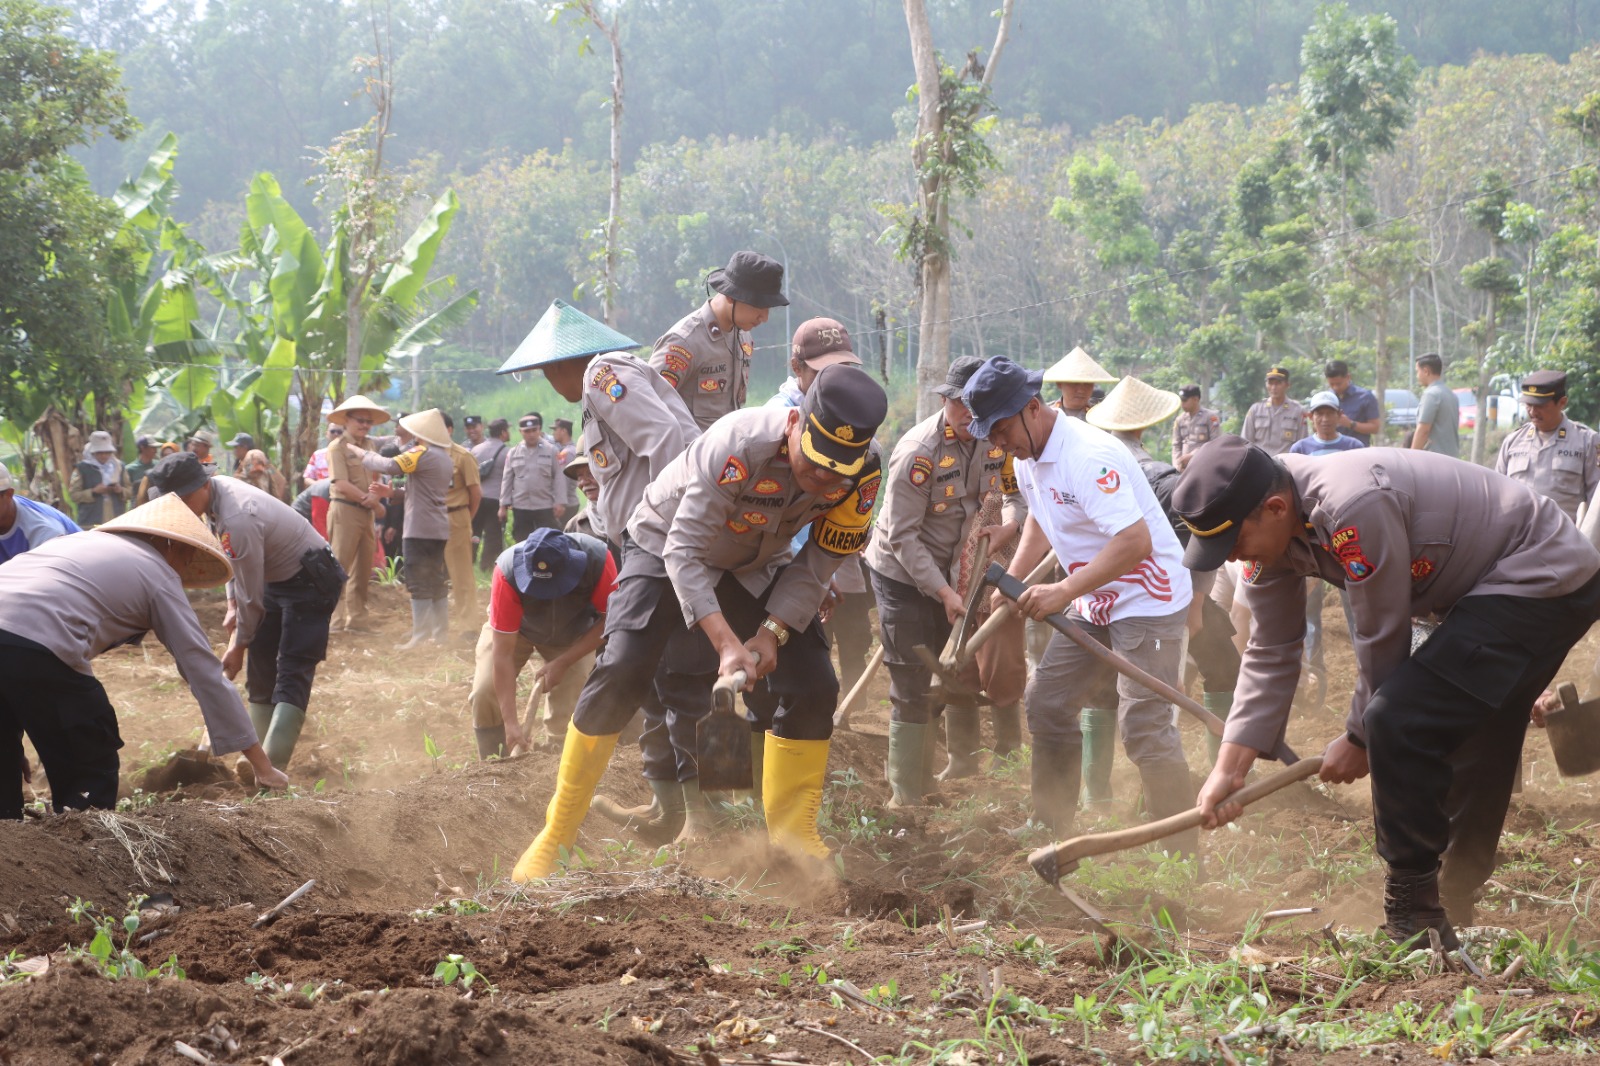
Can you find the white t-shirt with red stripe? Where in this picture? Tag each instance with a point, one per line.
(1085, 488)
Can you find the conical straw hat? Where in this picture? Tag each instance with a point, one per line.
(357, 403)
(169, 518)
(1133, 405)
(428, 427)
(1078, 366)
(563, 333)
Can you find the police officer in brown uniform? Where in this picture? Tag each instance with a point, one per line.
(63, 604)
(709, 552)
(285, 586)
(428, 468)
(356, 501)
(1550, 453)
(706, 356)
(1407, 534)
(1276, 422)
(938, 477)
(634, 424)
(1194, 426)
(461, 504)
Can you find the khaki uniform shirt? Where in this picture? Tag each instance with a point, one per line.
(463, 475)
(730, 504)
(935, 485)
(428, 471)
(1190, 431)
(529, 480)
(79, 595)
(1274, 428)
(1407, 534)
(634, 424)
(708, 367)
(265, 538)
(1564, 465)
(342, 467)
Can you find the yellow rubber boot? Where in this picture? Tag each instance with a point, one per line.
(791, 790)
(583, 761)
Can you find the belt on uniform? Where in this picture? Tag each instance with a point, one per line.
(341, 499)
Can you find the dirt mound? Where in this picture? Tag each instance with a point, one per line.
(76, 1015)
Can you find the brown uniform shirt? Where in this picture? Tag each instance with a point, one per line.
(341, 467)
(1274, 428)
(730, 504)
(1407, 534)
(708, 367)
(265, 538)
(634, 424)
(935, 485)
(1190, 431)
(80, 595)
(1563, 465)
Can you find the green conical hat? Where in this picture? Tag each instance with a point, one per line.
(564, 332)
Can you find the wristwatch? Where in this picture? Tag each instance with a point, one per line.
(777, 629)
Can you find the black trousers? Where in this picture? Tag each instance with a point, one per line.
(291, 639)
(490, 531)
(525, 522)
(1445, 730)
(644, 624)
(851, 632)
(70, 721)
(907, 619)
(425, 576)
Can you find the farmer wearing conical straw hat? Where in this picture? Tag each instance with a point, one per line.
(69, 600)
(1076, 374)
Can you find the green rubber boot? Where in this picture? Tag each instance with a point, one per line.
(1219, 704)
(261, 718)
(962, 739)
(1099, 753)
(283, 734)
(908, 763)
(699, 822)
(662, 826)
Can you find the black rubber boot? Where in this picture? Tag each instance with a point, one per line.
(1057, 775)
(1169, 790)
(1411, 907)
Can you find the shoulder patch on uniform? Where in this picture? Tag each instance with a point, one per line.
(605, 380)
(733, 470)
(227, 545)
(921, 470)
(844, 529)
(1109, 480)
(1346, 547)
(407, 460)
(768, 485)
(1252, 572)
(678, 358)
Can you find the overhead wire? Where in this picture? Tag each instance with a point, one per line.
(1129, 285)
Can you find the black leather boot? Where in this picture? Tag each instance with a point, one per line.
(1411, 907)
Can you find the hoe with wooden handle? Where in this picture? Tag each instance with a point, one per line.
(1054, 861)
(1011, 588)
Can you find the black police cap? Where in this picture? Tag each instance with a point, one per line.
(1225, 481)
(840, 414)
(179, 473)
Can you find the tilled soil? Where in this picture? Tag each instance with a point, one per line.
(643, 956)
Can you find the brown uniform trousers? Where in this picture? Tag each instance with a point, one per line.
(354, 542)
(486, 709)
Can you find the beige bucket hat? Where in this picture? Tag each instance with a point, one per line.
(1132, 406)
(357, 403)
(1077, 365)
(169, 518)
(428, 427)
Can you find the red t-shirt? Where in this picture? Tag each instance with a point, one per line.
(505, 602)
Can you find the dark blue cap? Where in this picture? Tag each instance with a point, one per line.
(548, 565)
(999, 389)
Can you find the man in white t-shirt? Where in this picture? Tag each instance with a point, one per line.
(1125, 585)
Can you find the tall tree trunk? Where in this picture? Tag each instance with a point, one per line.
(614, 214)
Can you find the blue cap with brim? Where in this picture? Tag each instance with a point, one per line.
(548, 565)
(563, 333)
(999, 389)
